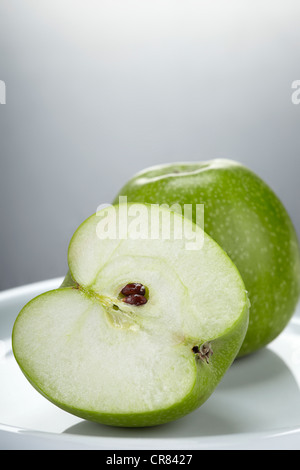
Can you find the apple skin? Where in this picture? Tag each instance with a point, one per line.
(244, 216)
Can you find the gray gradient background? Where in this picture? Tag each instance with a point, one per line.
(97, 90)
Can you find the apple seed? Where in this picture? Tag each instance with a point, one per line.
(133, 288)
(135, 299)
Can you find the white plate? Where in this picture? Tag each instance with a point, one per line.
(256, 406)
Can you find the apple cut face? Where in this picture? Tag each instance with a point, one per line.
(149, 326)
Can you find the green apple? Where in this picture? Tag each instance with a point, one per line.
(145, 325)
(244, 216)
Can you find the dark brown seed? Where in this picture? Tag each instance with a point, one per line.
(133, 288)
(135, 299)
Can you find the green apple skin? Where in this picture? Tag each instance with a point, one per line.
(207, 379)
(244, 216)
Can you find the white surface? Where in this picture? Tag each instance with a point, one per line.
(256, 406)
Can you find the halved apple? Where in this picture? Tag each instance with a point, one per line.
(144, 327)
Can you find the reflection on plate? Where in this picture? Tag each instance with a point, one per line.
(256, 405)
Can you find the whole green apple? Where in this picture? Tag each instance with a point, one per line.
(244, 216)
(134, 337)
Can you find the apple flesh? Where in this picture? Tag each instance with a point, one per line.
(100, 357)
(245, 217)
